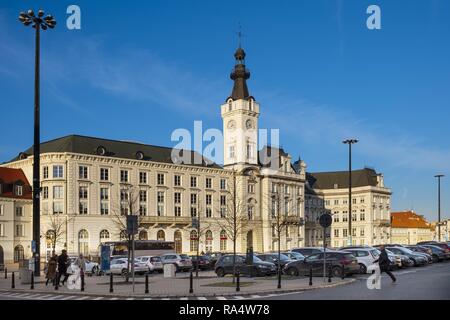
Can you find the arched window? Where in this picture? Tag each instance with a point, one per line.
(223, 241)
(250, 104)
(230, 105)
(177, 237)
(18, 253)
(104, 235)
(143, 235)
(194, 240)
(208, 241)
(161, 235)
(123, 235)
(83, 242)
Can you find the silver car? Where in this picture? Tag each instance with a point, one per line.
(182, 262)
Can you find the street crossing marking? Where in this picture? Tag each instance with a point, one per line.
(100, 298)
(202, 298)
(255, 296)
(221, 298)
(184, 298)
(83, 298)
(239, 297)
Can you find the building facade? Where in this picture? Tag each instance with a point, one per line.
(15, 217)
(410, 228)
(445, 228)
(89, 186)
(370, 206)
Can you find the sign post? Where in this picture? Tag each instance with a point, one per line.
(325, 221)
(132, 229)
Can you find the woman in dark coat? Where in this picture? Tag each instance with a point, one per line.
(51, 269)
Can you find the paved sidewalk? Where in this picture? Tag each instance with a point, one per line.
(207, 285)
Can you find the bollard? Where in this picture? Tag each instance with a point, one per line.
(111, 289)
(238, 285)
(32, 280)
(343, 271)
(13, 285)
(82, 282)
(146, 283)
(191, 281)
(6, 273)
(310, 276)
(329, 273)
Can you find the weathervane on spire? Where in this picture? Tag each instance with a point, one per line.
(240, 35)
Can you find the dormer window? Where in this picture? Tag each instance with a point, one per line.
(140, 155)
(101, 151)
(19, 191)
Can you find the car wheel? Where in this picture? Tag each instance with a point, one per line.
(220, 272)
(362, 268)
(415, 264)
(337, 272)
(292, 272)
(435, 258)
(124, 272)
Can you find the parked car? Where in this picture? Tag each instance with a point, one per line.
(182, 262)
(340, 262)
(365, 256)
(416, 258)
(213, 257)
(426, 252)
(153, 263)
(438, 253)
(119, 266)
(273, 257)
(294, 255)
(203, 264)
(307, 251)
(224, 266)
(401, 261)
(92, 268)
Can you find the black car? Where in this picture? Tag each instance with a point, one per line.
(339, 261)
(308, 250)
(224, 266)
(416, 258)
(213, 257)
(273, 257)
(204, 262)
(437, 252)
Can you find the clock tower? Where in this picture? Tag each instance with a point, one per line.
(240, 115)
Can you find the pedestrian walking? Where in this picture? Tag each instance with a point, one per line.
(51, 269)
(63, 261)
(80, 262)
(384, 263)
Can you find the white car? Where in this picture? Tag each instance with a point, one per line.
(365, 257)
(119, 266)
(91, 267)
(153, 263)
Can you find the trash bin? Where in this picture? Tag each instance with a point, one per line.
(169, 270)
(25, 269)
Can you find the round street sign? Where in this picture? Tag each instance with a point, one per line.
(325, 220)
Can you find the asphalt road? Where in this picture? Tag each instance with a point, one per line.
(422, 283)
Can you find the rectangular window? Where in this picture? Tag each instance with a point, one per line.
(143, 196)
(177, 211)
(344, 216)
(19, 191)
(124, 176)
(123, 195)
(193, 182)
(361, 200)
(354, 217)
(104, 208)
(231, 152)
(336, 233)
(177, 181)
(45, 172)
(251, 188)
(58, 171)
(354, 201)
(361, 232)
(193, 211)
(208, 199)
(177, 197)
(58, 192)
(57, 207)
(336, 216)
(344, 233)
(193, 198)
(45, 192)
(19, 211)
(142, 209)
(286, 189)
(223, 212)
(124, 209)
(223, 200)
(82, 172)
(160, 203)
(83, 207)
(143, 177)
(83, 192)
(104, 193)
(362, 216)
(223, 184)
(208, 183)
(353, 232)
(274, 187)
(2, 230)
(104, 174)
(250, 212)
(160, 179)
(208, 212)
(160, 196)
(249, 151)
(2, 212)
(19, 230)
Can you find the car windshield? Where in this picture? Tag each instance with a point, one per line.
(405, 250)
(155, 259)
(184, 256)
(255, 258)
(375, 253)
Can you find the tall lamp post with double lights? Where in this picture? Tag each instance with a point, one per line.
(350, 142)
(38, 22)
(439, 176)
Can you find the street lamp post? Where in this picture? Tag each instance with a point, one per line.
(439, 176)
(38, 22)
(350, 142)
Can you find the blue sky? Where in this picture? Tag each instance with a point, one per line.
(137, 70)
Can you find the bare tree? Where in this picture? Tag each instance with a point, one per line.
(56, 229)
(200, 228)
(235, 219)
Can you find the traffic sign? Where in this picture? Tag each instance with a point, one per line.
(325, 220)
(132, 224)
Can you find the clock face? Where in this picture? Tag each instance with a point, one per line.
(249, 124)
(231, 124)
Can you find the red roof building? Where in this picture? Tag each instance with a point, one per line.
(14, 184)
(408, 219)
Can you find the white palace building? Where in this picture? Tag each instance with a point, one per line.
(89, 185)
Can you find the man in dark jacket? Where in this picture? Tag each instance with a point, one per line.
(62, 266)
(384, 262)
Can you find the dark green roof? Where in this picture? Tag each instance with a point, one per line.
(114, 148)
(328, 180)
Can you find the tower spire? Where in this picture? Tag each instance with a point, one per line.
(240, 74)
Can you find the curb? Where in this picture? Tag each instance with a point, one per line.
(227, 294)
